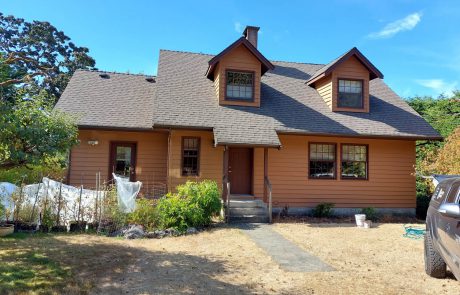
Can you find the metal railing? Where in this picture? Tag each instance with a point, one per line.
(268, 186)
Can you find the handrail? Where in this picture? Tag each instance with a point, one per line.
(268, 184)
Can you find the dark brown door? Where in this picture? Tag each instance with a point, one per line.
(240, 170)
(123, 160)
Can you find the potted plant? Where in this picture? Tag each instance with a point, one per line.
(5, 228)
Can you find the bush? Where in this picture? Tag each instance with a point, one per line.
(194, 205)
(370, 212)
(32, 174)
(323, 210)
(146, 214)
(423, 197)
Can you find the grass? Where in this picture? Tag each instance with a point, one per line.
(219, 261)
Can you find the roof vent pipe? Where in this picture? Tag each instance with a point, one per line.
(251, 34)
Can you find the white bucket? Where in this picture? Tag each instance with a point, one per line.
(360, 218)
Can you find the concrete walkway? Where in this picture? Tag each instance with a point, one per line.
(289, 256)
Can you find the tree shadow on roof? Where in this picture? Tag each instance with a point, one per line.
(290, 72)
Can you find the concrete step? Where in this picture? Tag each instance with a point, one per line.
(249, 219)
(241, 197)
(247, 204)
(247, 211)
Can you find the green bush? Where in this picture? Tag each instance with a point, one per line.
(146, 214)
(370, 212)
(32, 174)
(423, 189)
(2, 211)
(194, 204)
(323, 210)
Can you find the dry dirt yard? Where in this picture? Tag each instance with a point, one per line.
(219, 261)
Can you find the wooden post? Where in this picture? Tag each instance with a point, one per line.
(225, 173)
(265, 173)
(59, 204)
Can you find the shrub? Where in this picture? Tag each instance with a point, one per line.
(370, 212)
(194, 204)
(2, 211)
(323, 210)
(146, 214)
(423, 197)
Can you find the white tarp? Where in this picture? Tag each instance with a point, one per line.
(76, 203)
(126, 193)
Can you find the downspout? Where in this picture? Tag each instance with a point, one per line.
(168, 162)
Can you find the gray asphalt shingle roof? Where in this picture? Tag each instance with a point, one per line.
(183, 97)
(119, 101)
(186, 98)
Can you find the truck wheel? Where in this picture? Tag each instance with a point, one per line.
(434, 264)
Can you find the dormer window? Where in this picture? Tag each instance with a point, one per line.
(350, 94)
(240, 85)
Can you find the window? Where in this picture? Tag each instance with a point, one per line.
(190, 156)
(454, 193)
(240, 85)
(350, 94)
(354, 161)
(322, 160)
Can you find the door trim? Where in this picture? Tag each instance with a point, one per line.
(133, 145)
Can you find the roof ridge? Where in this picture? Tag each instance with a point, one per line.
(113, 72)
(183, 51)
(208, 54)
(298, 62)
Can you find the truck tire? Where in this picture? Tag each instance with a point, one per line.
(434, 264)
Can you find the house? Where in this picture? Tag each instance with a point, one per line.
(318, 133)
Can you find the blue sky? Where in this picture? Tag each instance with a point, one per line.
(415, 44)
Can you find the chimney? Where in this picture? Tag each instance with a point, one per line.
(251, 34)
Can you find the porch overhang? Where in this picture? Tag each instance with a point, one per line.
(246, 136)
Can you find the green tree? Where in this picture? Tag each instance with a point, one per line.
(32, 133)
(38, 55)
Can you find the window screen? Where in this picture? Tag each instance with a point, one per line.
(190, 156)
(354, 161)
(322, 160)
(350, 94)
(240, 85)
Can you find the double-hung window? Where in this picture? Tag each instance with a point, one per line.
(350, 94)
(354, 162)
(190, 156)
(322, 160)
(240, 85)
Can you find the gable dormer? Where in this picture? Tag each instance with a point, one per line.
(237, 70)
(344, 82)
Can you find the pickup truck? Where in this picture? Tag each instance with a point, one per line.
(442, 238)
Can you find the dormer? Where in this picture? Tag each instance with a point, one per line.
(237, 70)
(344, 82)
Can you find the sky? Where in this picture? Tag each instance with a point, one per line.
(414, 43)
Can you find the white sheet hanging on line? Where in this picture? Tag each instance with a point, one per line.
(126, 193)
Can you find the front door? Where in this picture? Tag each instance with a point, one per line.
(240, 170)
(123, 160)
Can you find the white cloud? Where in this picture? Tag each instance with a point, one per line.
(238, 27)
(401, 25)
(439, 86)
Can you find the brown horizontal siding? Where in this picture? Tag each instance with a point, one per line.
(87, 160)
(242, 59)
(211, 158)
(351, 69)
(391, 182)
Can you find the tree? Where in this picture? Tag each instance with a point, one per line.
(39, 55)
(31, 132)
(447, 159)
